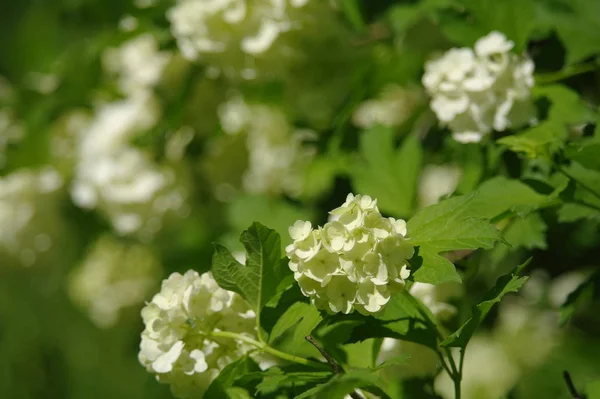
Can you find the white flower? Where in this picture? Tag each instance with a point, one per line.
(120, 180)
(392, 107)
(233, 35)
(112, 277)
(475, 92)
(138, 63)
(29, 214)
(177, 344)
(354, 262)
(277, 154)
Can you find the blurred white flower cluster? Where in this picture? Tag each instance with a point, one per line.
(233, 36)
(423, 360)
(120, 180)
(354, 262)
(138, 64)
(29, 213)
(114, 176)
(177, 344)
(476, 91)
(392, 107)
(276, 153)
(112, 277)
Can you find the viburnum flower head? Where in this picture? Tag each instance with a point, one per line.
(177, 344)
(354, 262)
(476, 91)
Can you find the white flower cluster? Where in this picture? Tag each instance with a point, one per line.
(113, 277)
(476, 91)
(137, 63)
(354, 262)
(392, 107)
(276, 154)
(177, 344)
(120, 180)
(232, 35)
(28, 213)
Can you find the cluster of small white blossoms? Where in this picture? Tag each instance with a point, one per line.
(138, 64)
(233, 36)
(112, 277)
(392, 107)
(28, 214)
(353, 263)
(475, 92)
(120, 180)
(277, 155)
(177, 345)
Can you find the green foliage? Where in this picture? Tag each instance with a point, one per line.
(506, 284)
(259, 279)
(587, 291)
(302, 315)
(447, 226)
(221, 386)
(388, 174)
(343, 384)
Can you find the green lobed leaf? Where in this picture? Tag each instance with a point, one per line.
(447, 226)
(522, 232)
(256, 281)
(237, 393)
(343, 384)
(586, 192)
(511, 282)
(540, 141)
(567, 107)
(219, 387)
(386, 173)
(585, 153)
(275, 379)
(303, 315)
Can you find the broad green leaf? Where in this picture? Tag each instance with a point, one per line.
(511, 282)
(302, 315)
(569, 213)
(402, 318)
(592, 390)
(514, 18)
(386, 173)
(500, 194)
(226, 379)
(237, 393)
(256, 281)
(587, 185)
(401, 360)
(585, 153)
(540, 141)
(446, 226)
(583, 295)
(275, 379)
(522, 232)
(343, 384)
(567, 108)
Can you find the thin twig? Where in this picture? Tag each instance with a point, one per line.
(335, 366)
(571, 387)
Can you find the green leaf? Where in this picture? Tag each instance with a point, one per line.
(522, 232)
(569, 213)
(540, 141)
(447, 226)
(585, 153)
(388, 174)
(511, 282)
(583, 295)
(352, 11)
(567, 108)
(587, 185)
(343, 384)
(275, 379)
(514, 18)
(402, 318)
(306, 316)
(500, 194)
(592, 390)
(218, 388)
(256, 281)
(237, 393)
(401, 360)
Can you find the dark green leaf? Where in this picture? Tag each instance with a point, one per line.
(226, 379)
(447, 226)
(511, 282)
(275, 379)
(302, 315)
(341, 385)
(583, 295)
